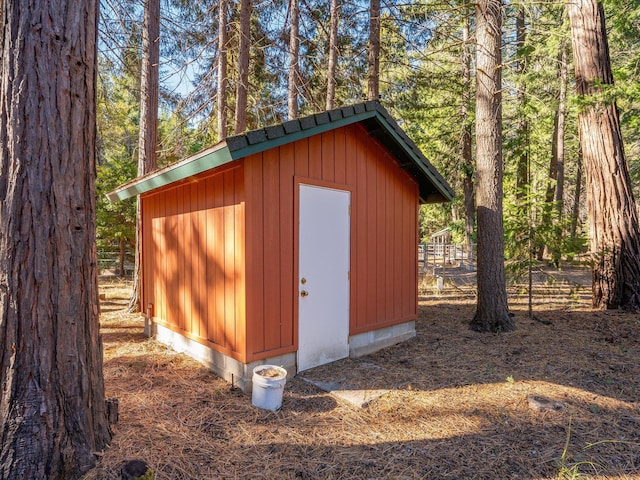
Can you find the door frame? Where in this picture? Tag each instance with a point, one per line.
(297, 181)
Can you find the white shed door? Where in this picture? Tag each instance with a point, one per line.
(323, 276)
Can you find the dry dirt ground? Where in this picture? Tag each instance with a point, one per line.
(457, 407)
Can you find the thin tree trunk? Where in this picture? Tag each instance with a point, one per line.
(373, 92)
(555, 183)
(492, 313)
(148, 135)
(552, 177)
(333, 54)
(294, 50)
(559, 131)
(53, 415)
(121, 257)
(243, 66)
(558, 153)
(466, 142)
(614, 229)
(223, 81)
(522, 126)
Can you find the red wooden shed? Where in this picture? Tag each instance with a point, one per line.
(293, 245)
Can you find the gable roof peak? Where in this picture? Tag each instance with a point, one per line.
(370, 114)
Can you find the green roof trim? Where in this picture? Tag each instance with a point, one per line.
(372, 115)
(206, 160)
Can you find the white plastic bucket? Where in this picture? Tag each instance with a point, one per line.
(268, 386)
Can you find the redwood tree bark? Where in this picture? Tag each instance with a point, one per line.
(52, 406)
(613, 230)
(373, 92)
(294, 50)
(244, 39)
(492, 313)
(575, 211)
(148, 134)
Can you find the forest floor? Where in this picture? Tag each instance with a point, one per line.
(457, 406)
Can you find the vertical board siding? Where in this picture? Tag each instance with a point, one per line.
(315, 157)
(383, 233)
(340, 156)
(382, 180)
(162, 259)
(351, 179)
(200, 220)
(211, 261)
(225, 330)
(219, 249)
(287, 171)
(239, 260)
(171, 254)
(254, 256)
(359, 213)
(188, 259)
(194, 272)
(194, 269)
(328, 156)
(181, 254)
(272, 213)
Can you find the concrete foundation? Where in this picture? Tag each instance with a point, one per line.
(240, 374)
(237, 373)
(374, 340)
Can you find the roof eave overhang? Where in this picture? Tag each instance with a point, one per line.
(205, 160)
(421, 172)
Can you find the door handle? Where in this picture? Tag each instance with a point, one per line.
(304, 293)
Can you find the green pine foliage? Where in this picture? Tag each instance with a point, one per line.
(421, 84)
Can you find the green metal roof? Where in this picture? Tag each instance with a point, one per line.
(372, 115)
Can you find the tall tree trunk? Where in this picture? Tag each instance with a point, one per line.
(466, 141)
(333, 54)
(148, 135)
(552, 176)
(149, 78)
(555, 184)
(560, 128)
(294, 50)
(243, 66)
(522, 126)
(53, 415)
(614, 230)
(373, 92)
(557, 152)
(575, 213)
(492, 313)
(223, 81)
